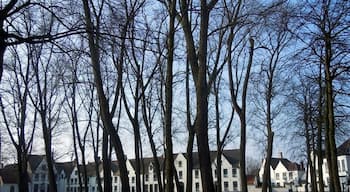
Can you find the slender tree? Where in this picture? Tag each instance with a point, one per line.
(106, 116)
(15, 112)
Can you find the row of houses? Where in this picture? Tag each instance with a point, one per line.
(285, 174)
(67, 174)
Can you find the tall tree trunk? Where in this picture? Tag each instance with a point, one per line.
(266, 183)
(333, 165)
(191, 133)
(241, 110)
(148, 125)
(201, 124)
(320, 118)
(169, 161)
(23, 172)
(106, 117)
(107, 164)
(48, 152)
(270, 134)
(330, 122)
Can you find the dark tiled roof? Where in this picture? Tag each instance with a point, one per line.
(290, 166)
(35, 160)
(344, 148)
(231, 155)
(67, 167)
(9, 174)
(146, 161)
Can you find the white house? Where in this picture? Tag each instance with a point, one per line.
(67, 174)
(283, 172)
(343, 157)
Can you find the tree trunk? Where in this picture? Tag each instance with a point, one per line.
(266, 182)
(191, 134)
(242, 115)
(106, 162)
(319, 134)
(106, 117)
(169, 161)
(22, 170)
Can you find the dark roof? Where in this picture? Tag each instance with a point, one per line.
(147, 161)
(231, 155)
(67, 167)
(35, 160)
(290, 166)
(344, 148)
(9, 174)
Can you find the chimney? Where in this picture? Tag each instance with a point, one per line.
(281, 155)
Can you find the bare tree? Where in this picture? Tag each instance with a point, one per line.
(11, 32)
(106, 115)
(271, 79)
(326, 42)
(47, 80)
(197, 59)
(15, 111)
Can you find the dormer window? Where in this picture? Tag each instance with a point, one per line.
(180, 163)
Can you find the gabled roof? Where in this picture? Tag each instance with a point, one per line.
(35, 160)
(344, 148)
(9, 174)
(290, 166)
(146, 162)
(231, 155)
(67, 167)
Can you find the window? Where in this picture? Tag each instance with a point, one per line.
(12, 189)
(93, 189)
(225, 186)
(146, 177)
(180, 163)
(154, 177)
(197, 187)
(36, 177)
(115, 188)
(343, 164)
(36, 187)
(151, 167)
(215, 173)
(43, 177)
(225, 173)
(42, 187)
(290, 175)
(196, 173)
(235, 186)
(132, 179)
(155, 187)
(234, 172)
(76, 172)
(284, 176)
(277, 176)
(115, 179)
(145, 188)
(180, 174)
